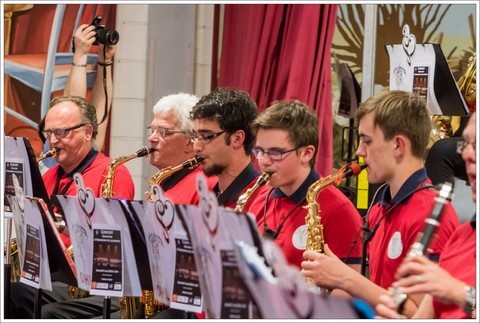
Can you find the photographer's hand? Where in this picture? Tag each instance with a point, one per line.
(77, 80)
(109, 53)
(83, 40)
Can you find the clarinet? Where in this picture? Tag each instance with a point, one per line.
(424, 238)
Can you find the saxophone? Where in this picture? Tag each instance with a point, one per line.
(159, 176)
(315, 239)
(107, 187)
(242, 200)
(11, 250)
(128, 305)
(51, 153)
(148, 296)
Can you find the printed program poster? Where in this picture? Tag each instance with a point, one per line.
(235, 295)
(31, 265)
(186, 288)
(14, 181)
(420, 81)
(107, 266)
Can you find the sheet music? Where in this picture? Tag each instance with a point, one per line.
(224, 295)
(172, 264)
(36, 269)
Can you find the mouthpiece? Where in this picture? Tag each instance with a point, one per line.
(192, 162)
(51, 153)
(144, 151)
(353, 170)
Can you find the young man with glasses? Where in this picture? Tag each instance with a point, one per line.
(71, 128)
(394, 129)
(286, 147)
(224, 137)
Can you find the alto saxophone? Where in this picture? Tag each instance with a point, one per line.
(128, 305)
(242, 200)
(50, 153)
(107, 187)
(11, 250)
(313, 220)
(148, 296)
(159, 176)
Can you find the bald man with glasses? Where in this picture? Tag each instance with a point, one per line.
(71, 128)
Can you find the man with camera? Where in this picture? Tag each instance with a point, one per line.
(101, 98)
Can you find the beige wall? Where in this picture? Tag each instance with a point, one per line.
(163, 49)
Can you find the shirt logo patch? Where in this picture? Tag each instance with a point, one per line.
(299, 238)
(395, 246)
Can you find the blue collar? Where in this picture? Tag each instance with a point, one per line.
(300, 194)
(413, 182)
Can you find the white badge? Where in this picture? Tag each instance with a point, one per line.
(299, 238)
(395, 246)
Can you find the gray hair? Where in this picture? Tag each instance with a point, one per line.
(180, 104)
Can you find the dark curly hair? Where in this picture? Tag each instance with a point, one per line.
(233, 109)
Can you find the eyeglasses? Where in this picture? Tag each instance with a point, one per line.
(463, 144)
(204, 138)
(163, 132)
(274, 154)
(60, 133)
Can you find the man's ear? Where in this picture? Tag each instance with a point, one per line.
(307, 152)
(237, 138)
(88, 132)
(401, 143)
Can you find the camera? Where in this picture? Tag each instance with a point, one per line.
(103, 35)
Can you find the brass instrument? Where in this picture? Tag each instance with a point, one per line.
(13, 246)
(148, 296)
(315, 239)
(14, 259)
(159, 176)
(242, 200)
(128, 305)
(107, 188)
(468, 83)
(313, 220)
(51, 153)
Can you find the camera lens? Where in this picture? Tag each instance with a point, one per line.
(108, 37)
(112, 37)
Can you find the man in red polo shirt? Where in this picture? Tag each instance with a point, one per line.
(71, 127)
(450, 285)
(224, 137)
(394, 128)
(286, 147)
(170, 137)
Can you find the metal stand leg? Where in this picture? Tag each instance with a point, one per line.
(6, 283)
(37, 305)
(107, 304)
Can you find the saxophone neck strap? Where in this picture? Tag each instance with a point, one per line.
(273, 234)
(370, 232)
(92, 154)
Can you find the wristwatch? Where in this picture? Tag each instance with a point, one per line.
(470, 303)
(62, 226)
